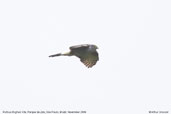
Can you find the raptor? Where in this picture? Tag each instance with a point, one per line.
(85, 52)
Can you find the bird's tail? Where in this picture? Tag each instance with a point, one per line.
(60, 54)
(54, 55)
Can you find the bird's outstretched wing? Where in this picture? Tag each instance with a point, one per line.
(90, 59)
(79, 50)
(83, 46)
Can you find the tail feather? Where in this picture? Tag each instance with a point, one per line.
(67, 54)
(58, 54)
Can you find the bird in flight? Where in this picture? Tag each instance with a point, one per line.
(86, 52)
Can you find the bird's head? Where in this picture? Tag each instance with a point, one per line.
(93, 47)
(96, 47)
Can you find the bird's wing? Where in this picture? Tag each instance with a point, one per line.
(83, 46)
(79, 50)
(90, 59)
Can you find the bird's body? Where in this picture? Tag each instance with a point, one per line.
(86, 52)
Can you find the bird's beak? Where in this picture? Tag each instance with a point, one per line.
(97, 47)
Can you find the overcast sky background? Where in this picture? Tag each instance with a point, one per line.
(131, 77)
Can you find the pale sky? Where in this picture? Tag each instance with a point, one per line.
(133, 75)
